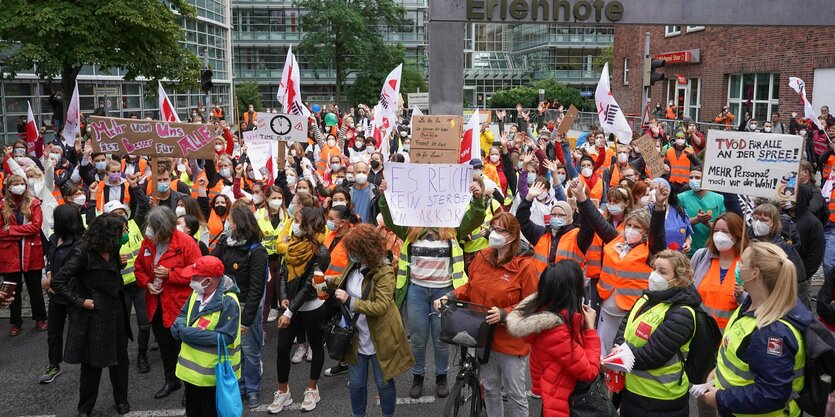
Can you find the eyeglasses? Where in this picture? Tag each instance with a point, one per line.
(500, 231)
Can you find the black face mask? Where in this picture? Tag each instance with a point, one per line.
(375, 164)
(220, 210)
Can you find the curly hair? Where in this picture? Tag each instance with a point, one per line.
(682, 271)
(366, 244)
(104, 234)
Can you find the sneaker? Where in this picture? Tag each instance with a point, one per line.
(282, 399)
(253, 400)
(41, 325)
(299, 355)
(52, 372)
(309, 356)
(273, 316)
(530, 394)
(417, 386)
(336, 370)
(14, 330)
(311, 398)
(441, 388)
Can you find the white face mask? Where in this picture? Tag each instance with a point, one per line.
(257, 198)
(645, 200)
(219, 148)
(361, 178)
(80, 200)
(18, 189)
(297, 228)
(181, 168)
(680, 142)
(180, 211)
(586, 172)
(496, 240)
(181, 228)
(623, 158)
(722, 241)
(632, 235)
(331, 142)
(338, 203)
(275, 204)
(494, 158)
(198, 287)
(657, 282)
(225, 172)
(149, 233)
(614, 209)
(761, 228)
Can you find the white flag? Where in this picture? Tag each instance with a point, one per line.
(290, 89)
(390, 93)
(167, 112)
(73, 123)
(610, 114)
(800, 88)
(416, 111)
(471, 142)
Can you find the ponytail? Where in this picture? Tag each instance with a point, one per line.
(779, 275)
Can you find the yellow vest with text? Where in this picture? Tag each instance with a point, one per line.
(131, 249)
(196, 364)
(477, 241)
(270, 233)
(731, 371)
(459, 274)
(669, 381)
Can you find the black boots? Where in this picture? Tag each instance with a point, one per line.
(417, 386)
(441, 388)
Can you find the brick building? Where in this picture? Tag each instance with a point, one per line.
(738, 66)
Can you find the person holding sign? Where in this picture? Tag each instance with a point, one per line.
(431, 265)
(626, 257)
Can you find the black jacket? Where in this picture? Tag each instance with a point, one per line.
(786, 241)
(812, 244)
(56, 256)
(93, 336)
(664, 344)
(246, 264)
(301, 289)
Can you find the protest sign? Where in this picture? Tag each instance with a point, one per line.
(279, 127)
(568, 120)
(259, 151)
(653, 159)
(754, 164)
(435, 139)
(428, 195)
(152, 138)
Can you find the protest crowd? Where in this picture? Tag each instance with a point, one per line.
(601, 261)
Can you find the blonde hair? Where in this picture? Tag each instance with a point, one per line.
(641, 216)
(682, 271)
(780, 278)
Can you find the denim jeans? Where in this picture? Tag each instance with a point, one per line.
(252, 344)
(829, 253)
(358, 386)
(423, 321)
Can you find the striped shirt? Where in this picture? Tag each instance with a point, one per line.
(431, 263)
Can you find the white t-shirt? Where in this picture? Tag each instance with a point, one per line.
(354, 289)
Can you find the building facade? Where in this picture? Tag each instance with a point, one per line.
(208, 36)
(746, 68)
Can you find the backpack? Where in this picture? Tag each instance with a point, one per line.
(819, 369)
(701, 359)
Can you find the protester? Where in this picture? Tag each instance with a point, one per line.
(720, 292)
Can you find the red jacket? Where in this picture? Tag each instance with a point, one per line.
(10, 252)
(182, 252)
(557, 359)
(501, 286)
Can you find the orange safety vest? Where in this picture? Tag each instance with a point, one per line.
(246, 117)
(100, 196)
(595, 193)
(326, 153)
(718, 298)
(143, 166)
(215, 228)
(217, 113)
(594, 255)
(626, 278)
(679, 166)
(566, 249)
(339, 256)
(172, 187)
(827, 167)
(211, 192)
(832, 206)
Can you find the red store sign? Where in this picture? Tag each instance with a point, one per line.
(691, 56)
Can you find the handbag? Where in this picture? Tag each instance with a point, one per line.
(340, 337)
(591, 399)
(227, 394)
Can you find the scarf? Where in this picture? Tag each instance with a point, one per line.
(299, 254)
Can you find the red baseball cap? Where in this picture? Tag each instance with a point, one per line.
(204, 266)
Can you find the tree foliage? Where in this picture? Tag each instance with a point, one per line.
(529, 95)
(346, 35)
(370, 79)
(248, 93)
(604, 57)
(60, 37)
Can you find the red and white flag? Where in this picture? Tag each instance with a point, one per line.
(471, 144)
(73, 123)
(32, 135)
(390, 93)
(166, 108)
(610, 114)
(809, 112)
(290, 89)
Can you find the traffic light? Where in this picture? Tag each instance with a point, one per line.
(206, 80)
(650, 76)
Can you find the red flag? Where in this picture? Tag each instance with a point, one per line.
(471, 144)
(32, 133)
(166, 109)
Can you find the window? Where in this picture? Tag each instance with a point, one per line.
(691, 29)
(754, 93)
(672, 30)
(626, 71)
(691, 92)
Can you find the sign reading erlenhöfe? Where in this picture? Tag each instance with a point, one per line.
(545, 10)
(152, 138)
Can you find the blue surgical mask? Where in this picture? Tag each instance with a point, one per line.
(101, 165)
(561, 178)
(531, 177)
(696, 185)
(163, 186)
(557, 222)
(331, 225)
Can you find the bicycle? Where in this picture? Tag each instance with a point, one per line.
(466, 398)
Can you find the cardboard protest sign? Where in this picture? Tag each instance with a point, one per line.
(428, 195)
(754, 164)
(279, 127)
(568, 120)
(651, 156)
(435, 139)
(152, 138)
(259, 151)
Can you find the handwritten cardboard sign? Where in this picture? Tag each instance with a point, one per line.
(568, 120)
(428, 195)
(754, 164)
(152, 138)
(435, 139)
(653, 159)
(279, 127)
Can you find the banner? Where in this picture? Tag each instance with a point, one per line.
(290, 88)
(152, 138)
(753, 164)
(799, 87)
(471, 142)
(166, 108)
(654, 160)
(435, 139)
(390, 94)
(73, 123)
(259, 151)
(609, 113)
(428, 195)
(279, 127)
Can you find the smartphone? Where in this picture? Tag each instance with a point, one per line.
(8, 287)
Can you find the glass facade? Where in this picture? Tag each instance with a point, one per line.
(756, 93)
(207, 36)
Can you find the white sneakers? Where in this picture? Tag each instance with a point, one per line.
(273, 316)
(309, 356)
(311, 398)
(301, 351)
(282, 399)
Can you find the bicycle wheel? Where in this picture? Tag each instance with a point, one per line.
(464, 399)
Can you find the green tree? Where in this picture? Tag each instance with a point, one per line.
(604, 57)
(529, 95)
(370, 79)
(60, 37)
(346, 35)
(248, 93)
